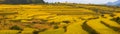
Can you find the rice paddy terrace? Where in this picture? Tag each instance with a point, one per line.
(59, 19)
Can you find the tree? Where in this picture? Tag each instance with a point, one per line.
(16, 1)
(15, 27)
(23, 1)
(117, 19)
(40, 1)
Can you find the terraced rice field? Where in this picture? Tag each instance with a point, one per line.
(59, 19)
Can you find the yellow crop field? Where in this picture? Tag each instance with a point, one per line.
(59, 19)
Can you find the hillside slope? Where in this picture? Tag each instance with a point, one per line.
(59, 19)
(117, 3)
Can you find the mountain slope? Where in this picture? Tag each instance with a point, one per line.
(117, 3)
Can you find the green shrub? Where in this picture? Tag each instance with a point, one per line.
(66, 22)
(56, 26)
(15, 27)
(116, 20)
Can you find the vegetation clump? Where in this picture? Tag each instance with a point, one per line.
(117, 19)
(23, 1)
(15, 27)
